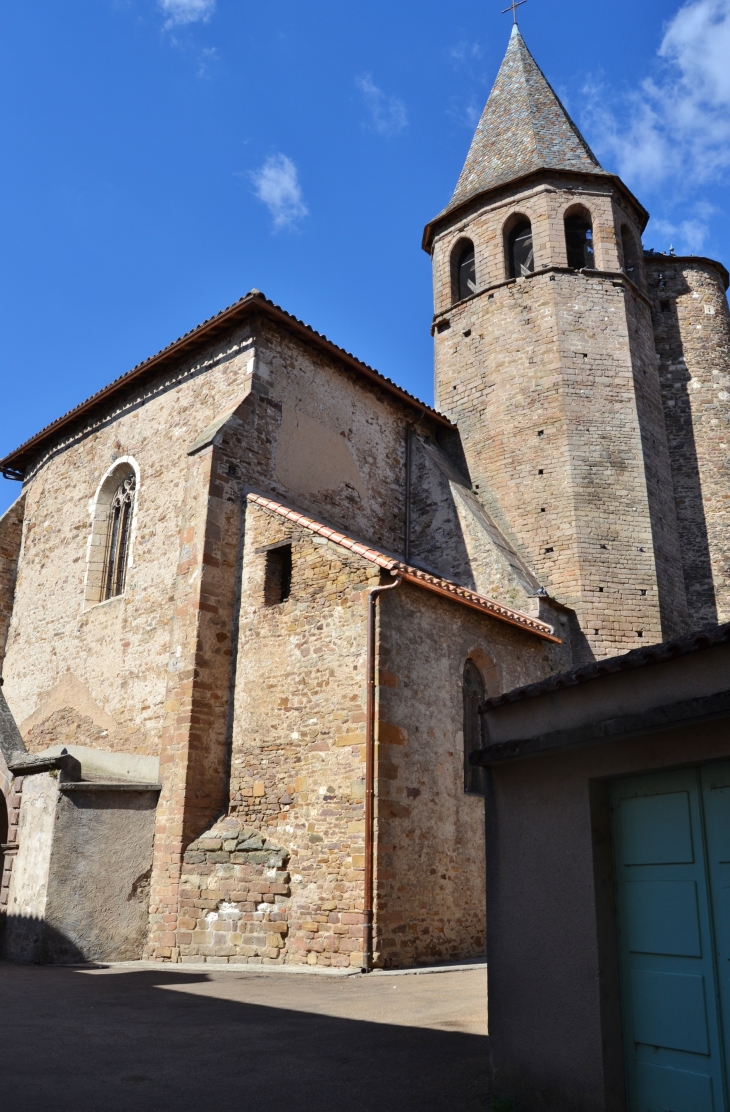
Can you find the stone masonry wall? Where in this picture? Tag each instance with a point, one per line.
(541, 376)
(298, 762)
(430, 863)
(151, 671)
(335, 445)
(111, 658)
(11, 533)
(234, 898)
(692, 335)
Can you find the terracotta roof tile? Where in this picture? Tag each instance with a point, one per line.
(16, 461)
(445, 587)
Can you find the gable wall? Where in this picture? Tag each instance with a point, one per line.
(323, 441)
(117, 651)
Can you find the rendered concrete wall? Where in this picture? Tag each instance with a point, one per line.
(28, 882)
(79, 886)
(99, 884)
(554, 996)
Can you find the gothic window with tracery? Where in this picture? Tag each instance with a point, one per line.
(520, 250)
(473, 693)
(119, 532)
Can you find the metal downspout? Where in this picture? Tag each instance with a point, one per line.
(370, 773)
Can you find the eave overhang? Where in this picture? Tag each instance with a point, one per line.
(453, 214)
(254, 304)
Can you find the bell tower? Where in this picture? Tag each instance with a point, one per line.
(545, 359)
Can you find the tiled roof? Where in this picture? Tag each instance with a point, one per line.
(444, 587)
(637, 658)
(524, 128)
(209, 330)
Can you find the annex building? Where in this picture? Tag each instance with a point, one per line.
(253, 595)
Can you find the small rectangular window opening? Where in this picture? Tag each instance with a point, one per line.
(277, 580)
(665, 306)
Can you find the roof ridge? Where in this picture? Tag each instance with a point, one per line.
(439, 584)
(524, 127)
(253, 298)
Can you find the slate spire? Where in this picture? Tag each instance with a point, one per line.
(524, 127)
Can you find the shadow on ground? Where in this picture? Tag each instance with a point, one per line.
(124, 1041)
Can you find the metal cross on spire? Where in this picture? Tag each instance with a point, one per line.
(513, 8)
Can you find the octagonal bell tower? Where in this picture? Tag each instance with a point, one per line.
(545, 359)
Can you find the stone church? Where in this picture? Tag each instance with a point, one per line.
(253, 594)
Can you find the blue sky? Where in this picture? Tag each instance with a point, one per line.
(162, 157)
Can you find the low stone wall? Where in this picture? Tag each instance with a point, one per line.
(236, 907)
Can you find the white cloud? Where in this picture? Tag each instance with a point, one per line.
(388, 115)
(465, 52)
(675, 127)
(187, 11)
(688, 236)
(276, 183)
(467, 113)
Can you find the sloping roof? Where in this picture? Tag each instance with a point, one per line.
(637, 658)
(524, 128)
(444, 587)
(254, 302)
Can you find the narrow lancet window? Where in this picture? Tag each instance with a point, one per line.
(579, 243)
(119, 532)
(521, 251)
(465, 278)
(631, 254)
(473, 695)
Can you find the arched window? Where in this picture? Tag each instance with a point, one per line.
(473, 694)
(119, 532)
(520, 252)
(111, 534)
(579, 241)
(463, 270)
(631, 254)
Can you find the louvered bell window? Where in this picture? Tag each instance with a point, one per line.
(521, 251)
(467, 277)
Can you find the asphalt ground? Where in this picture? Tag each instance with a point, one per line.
(140, 1039)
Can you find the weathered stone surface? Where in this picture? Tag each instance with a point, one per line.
(692, 329)
(11, 532)
(552, 380)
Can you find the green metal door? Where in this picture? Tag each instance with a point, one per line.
(671, 835)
